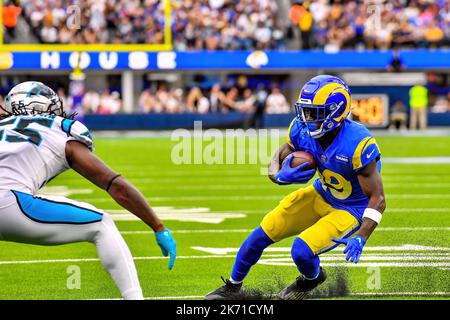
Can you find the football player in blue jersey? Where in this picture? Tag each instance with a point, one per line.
(343, 206)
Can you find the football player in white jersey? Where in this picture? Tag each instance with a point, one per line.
(38, 141)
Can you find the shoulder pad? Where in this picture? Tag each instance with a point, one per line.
(75, 130)
(366, 151)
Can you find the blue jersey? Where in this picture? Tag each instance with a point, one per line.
(353, 148)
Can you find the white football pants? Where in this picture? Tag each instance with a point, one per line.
(49, 220)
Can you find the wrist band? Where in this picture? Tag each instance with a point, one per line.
(111, 181)
(372, 214)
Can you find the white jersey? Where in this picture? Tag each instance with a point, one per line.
(32, 149)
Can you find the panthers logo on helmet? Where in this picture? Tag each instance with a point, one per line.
(323, 104)
(31, 98)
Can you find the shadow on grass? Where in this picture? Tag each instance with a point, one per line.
(334, 287)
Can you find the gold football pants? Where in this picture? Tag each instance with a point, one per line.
(305, 213)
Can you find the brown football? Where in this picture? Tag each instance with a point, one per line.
(301, 157)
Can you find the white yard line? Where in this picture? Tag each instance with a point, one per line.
(250, 230)
(13, 262)
(271, 258)
(366, 264)
(193, 231)
(416, 160)
(418, 196)
(284, 256)
(401, 248)
(418, 210)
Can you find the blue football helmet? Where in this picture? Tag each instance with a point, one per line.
(323, 104)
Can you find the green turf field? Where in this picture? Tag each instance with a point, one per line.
(212, 208)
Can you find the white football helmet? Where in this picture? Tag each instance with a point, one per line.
(33, 98)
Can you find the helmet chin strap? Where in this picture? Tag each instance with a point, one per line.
(315, 131)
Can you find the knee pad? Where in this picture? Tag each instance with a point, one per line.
(301, 252)
(307, 262)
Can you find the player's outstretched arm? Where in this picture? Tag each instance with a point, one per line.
(274, 166)
(86, 163)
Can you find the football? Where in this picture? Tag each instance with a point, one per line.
(301, 157)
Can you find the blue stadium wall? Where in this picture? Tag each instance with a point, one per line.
(230, 120)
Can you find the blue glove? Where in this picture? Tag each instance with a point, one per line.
(288, 175)
(354, 247)
(168, 245)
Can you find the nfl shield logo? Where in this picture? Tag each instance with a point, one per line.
(323, 158)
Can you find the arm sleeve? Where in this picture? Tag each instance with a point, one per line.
(366, 151)
(75, 130)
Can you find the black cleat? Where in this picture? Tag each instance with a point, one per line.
(300, 288)
(230, 291)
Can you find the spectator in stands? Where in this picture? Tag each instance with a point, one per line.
(66, 102)
(260, 105)
(276, 102)
(110, 103)
(418, 101)
(147, 101)
(398, 115)
(48, 33)
(247, 103)
(193, 98)
(10, 15)
(216, 98)
(161, 97)
(230, 99)
(302, 18)
(396, 64)
(433, 34)
(174, 102)
(91, 101)
(441, 105)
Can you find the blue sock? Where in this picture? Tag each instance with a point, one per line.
(249, 253)
(307, 262)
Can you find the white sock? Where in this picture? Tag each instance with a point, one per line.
(234, 281)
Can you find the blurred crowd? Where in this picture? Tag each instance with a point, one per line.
(162, 98)
(227, 25)
(197, 25)
(215, 99)
(340, 24)
(104, 102)
(238, 24)
(95, 21)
